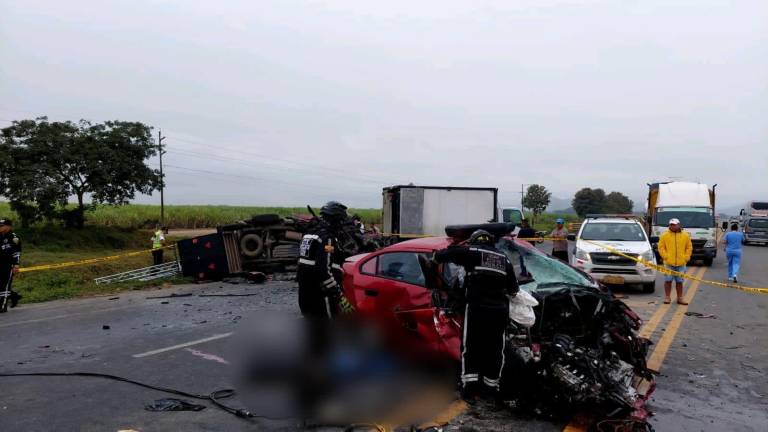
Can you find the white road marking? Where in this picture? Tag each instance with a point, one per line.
(55, 317)
(183, 345)
(206, 356)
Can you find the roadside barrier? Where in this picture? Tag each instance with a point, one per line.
(87, 261)
(661, 268)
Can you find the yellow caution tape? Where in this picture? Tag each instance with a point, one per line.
(87, 261)
(665, 270)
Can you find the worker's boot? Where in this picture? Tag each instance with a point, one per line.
(15, 297)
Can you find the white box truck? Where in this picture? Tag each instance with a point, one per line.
(427, 210)
(694, 205)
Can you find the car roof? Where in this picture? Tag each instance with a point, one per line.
(612, 220)
(431, 243)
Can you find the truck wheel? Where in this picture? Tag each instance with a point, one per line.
(708, 262)
(251, 245)
(649, 287)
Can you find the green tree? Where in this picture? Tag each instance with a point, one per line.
(588, 201)
(537, 199)
(617, 202)
(106, 161)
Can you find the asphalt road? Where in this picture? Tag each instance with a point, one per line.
(712, 370)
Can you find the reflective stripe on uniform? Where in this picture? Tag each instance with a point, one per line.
(307, 261)
(336, 266)
(491, 269)
(487, 251)
(469, 378)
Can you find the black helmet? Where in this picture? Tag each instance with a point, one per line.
(480, 237)
(334, 212)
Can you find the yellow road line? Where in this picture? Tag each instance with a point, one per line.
(662, 348)
(455, 409)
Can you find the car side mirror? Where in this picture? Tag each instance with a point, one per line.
(572, 237)
(654, 239)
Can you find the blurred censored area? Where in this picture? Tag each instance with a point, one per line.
(336, 373)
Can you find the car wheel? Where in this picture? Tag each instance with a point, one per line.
(708, 262)
(649, 287)
(251, 245)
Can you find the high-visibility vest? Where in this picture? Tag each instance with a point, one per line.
(157, 240)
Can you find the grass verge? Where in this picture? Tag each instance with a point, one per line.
(49, 244)
(189, 216)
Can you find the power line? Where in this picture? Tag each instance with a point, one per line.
(271, 157)
(252, 162)
(248, 177)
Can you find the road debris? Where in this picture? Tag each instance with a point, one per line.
(173, 404)
(700, 315)
(174, 295)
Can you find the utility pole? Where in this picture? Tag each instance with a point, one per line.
(522, 196)
(160, 139)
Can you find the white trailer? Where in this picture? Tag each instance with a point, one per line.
(427, 210)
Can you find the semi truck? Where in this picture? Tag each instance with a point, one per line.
(427, 210)
(694, 205)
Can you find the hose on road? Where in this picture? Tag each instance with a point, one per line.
(214, 397)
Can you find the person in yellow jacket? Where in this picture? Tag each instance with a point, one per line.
(675, 248)
(158, 242)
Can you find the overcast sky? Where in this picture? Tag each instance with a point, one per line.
(288, 102)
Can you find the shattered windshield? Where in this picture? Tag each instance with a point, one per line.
(547, 272)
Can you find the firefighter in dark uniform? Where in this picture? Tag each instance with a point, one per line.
(10, 259)
(319, 268)
(490, 279)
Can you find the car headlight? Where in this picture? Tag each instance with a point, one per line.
(582, 255)
(709, 244)
(648, 256)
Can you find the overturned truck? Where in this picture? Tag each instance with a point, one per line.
(265, 243)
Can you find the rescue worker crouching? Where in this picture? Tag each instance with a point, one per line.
(10, 260)
(319, 268)
(490, 279)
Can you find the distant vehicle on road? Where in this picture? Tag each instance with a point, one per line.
(755, 230)
(623, 233)
(694, 205)
(754, 208)
(427, 210)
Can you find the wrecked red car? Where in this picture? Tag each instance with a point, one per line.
(581, 353)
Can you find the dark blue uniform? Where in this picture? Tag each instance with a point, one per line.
(10, 256)
(319, 274)
(489, 281)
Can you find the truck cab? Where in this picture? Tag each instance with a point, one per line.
(694, 205)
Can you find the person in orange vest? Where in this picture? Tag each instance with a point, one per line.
(675, 248)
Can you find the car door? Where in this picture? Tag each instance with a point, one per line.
(394, 290)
